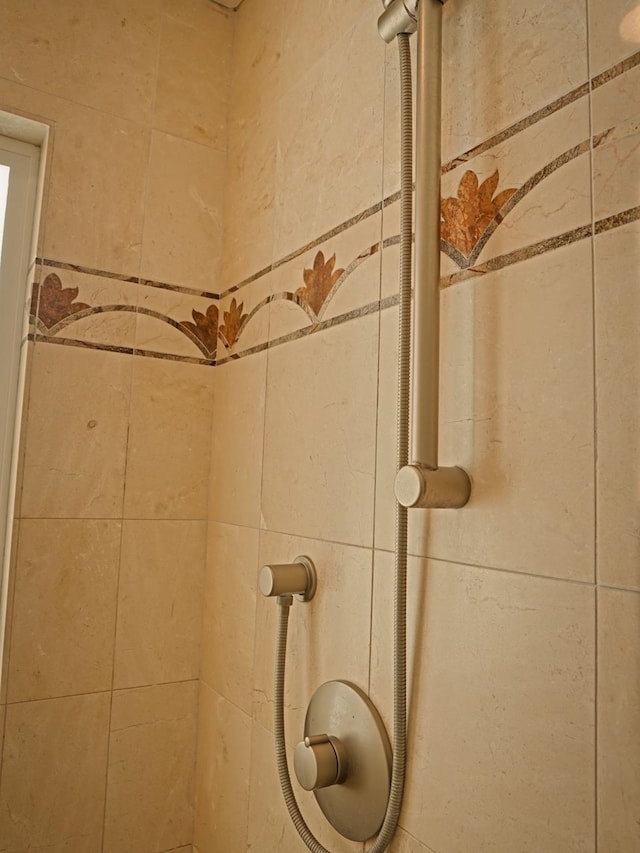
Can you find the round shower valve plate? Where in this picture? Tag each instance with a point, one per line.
(357, 806)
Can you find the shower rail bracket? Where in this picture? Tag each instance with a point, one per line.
(419, 487)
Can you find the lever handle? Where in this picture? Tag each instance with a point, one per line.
(297, 578)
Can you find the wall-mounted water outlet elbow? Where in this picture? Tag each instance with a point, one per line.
(419, 487)
(297, 578)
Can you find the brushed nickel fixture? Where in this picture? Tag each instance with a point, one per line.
(349, 770)
(336, 758)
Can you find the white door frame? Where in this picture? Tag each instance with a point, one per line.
(16, 261)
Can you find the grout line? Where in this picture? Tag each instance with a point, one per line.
(485, 567)
(594, 386)
(613, 588)
(102, 692)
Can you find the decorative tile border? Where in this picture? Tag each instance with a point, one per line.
(83, 307)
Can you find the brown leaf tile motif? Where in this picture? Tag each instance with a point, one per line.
(233, 320)
(56, 301)
(466, 218)
(319, 282)
(204, 327)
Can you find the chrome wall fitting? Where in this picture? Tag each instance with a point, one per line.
(348, 769)
(297, 578)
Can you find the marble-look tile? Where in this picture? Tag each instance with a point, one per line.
(151, 764)
(7, 620)
(54, 775)
(614, 105)
(617, 115)
(160, 602)
(319, 33)
(66, 295)
(615, 165)
(183, 212)
(102, 55)
(89, 218)
(617, 254)
(236, 449)
(314, 654)
(249, 220)
(252, 149)
(324, 177)
(192, 94)
(501, 743)
(516, 411)
(319, 453)
(405, 843)
(618, 722)
(541, 181)
(614, 27)
(243, 321)
(270, 827)
(27, 353)
(76, 437)
(328, 280)
(222, 774)
(196, 316)
(169, 440)
(257, 59)
(64, 608)
(228, 629)
(505, 60)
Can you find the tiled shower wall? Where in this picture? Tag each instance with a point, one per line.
(99, 702)
(524, 606)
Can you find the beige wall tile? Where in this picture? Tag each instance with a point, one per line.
(249, 218)
(252, 150)
(64, 612)
(89, 217)
(257, 58)
(160, 602)
(618, 722)
(157, 305)
(76, 435)
(54, 775)
(320, 434)
(516, 412)
(194, 72)
(169, 440)
(8, 616)
(505, 60)
(183, 212)
(270, 827)
(230, 594)
(328, 637)
(319, 33)
(614, 27)
(502, 707)
(324, 178)
(236, 454)
(107, 328)
(222, 776)
(104, 55)
(405, 843)
(151, 765)
(618, 378)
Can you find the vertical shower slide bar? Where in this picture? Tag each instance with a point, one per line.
(423, 483)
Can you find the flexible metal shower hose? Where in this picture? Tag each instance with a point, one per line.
(394, 804)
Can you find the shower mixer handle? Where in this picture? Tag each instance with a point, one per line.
(297, 578)
(320, 761)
